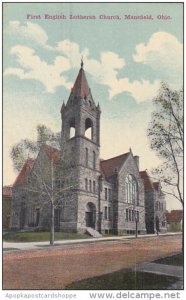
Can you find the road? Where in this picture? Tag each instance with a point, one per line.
(54, 268)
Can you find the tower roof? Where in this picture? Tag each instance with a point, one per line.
(81, 88)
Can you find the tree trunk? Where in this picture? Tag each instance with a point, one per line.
(136, 233)
(52, 225)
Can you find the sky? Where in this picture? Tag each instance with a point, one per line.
(124, 60)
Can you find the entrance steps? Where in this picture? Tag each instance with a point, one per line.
(94, 233)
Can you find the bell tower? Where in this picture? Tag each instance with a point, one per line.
(80, 137)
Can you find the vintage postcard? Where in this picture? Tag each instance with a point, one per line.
(92, 150)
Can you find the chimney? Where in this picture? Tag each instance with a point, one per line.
(136, 158)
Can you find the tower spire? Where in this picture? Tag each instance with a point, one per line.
(82, 62)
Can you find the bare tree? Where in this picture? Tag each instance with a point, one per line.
(51, 180)
(166, 136)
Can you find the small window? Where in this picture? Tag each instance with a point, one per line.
(90, 185)
(127, 214)
(106, 216)
(94, 186)
(94, 160)
(137, 216)
(105, 193)
(86, 157)
(110, 194)
(130, 215)
(86, 184)
(109, 213)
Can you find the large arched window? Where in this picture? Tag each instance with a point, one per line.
(88, 129)
(131, 190)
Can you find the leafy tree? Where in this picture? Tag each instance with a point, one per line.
(166, 136)
(27, 148)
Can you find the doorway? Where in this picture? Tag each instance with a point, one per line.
(90, 215)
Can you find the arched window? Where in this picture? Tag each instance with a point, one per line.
(131, 190)
(94, 160)
(72, 128)
(86, 157)
(88, 129)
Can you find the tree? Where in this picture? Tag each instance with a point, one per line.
(27, 148)
(166, 136)
(51, 179)
(167, 139)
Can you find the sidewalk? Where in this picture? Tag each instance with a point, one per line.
(24, 246)
(161, 269)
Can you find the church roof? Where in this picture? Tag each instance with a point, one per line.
(81, 88)
(7, 191)
(52, 153)
(110, 166)
(21, 178)
(147, 181)
(174, 215)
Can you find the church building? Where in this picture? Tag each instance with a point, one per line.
(109, 196)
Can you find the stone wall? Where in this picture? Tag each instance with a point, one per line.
(130, 167)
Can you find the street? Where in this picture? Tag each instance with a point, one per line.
(56, 267)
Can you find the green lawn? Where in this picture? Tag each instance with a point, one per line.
(174, 260)
(124, 280)
(40, 236)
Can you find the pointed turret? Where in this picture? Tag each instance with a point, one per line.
(81, 88)
(63, 107)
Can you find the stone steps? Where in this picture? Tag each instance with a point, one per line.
(94, 233)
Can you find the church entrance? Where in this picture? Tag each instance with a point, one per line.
(90, 215)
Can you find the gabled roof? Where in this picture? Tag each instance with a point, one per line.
(52, 153)
(174, 215)
(147, 181)
(7, 191)
(110, 166)
(81, 88)
(22, 176)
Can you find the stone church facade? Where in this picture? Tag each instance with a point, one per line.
(110, 196)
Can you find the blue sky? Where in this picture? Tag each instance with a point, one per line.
(124, 61)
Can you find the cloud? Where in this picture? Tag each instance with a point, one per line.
(164, 54)
(72, 51)
(103, 71)
(35, 68)
(31, 31)
(139, 90)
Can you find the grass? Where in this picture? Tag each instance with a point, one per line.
(10, 249)
(124, 280)
(174, 260)
(40, 236)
